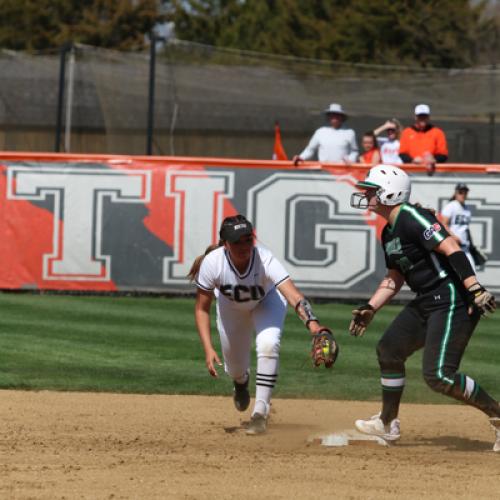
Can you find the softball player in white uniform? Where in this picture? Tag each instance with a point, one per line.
(252, 289)
(457, 216)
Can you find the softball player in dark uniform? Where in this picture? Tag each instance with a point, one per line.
(440, 319)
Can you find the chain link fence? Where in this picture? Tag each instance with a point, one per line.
(222, 102)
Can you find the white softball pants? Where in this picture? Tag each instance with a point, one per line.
(236, 327)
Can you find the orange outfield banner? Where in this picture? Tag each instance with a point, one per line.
(135, 223)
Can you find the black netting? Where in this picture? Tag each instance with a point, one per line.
(214, 102)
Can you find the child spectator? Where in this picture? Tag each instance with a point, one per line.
(371, 155)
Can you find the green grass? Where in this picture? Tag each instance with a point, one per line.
(150, 345)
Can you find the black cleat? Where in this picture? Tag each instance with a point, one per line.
(241, 396)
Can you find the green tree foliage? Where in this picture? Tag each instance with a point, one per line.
(439, 33)
(42, 24)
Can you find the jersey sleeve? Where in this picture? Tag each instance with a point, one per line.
(422, 227)
(275, 271)
(448, 210)
(205, 278)
(388, 264)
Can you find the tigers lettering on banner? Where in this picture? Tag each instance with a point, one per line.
(78, 202)
(76, 228)
(340, 251)
(199, 202)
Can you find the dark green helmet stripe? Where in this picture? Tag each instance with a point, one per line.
(367, 184)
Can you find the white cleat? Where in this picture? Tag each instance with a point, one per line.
(257, 425)
(495, 423)
(375, 427)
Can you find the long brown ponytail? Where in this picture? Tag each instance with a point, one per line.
(195, 268)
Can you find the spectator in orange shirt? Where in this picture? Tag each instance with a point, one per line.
(423, 142)
(371, 154)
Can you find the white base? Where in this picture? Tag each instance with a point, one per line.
(347, 437)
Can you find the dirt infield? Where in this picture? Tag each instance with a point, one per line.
(77, 445)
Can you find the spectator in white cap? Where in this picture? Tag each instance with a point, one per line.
(333, 142)
(423, 143)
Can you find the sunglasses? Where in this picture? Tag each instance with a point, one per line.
(391, 130)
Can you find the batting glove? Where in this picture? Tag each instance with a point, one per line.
(480, 298)
(361, 318)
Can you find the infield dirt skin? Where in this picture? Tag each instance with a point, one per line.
(56, 445)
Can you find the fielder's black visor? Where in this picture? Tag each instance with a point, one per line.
(234, 231)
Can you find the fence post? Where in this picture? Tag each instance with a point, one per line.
(154, 39)
(60, 94)
(151, 93)
(69, 100)
(491, 142)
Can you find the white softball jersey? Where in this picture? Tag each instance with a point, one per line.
(459, 219)
(247, 302)
(243, 290)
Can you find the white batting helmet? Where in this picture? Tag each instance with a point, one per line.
(392, 186)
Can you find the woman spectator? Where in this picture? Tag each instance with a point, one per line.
(389, 146)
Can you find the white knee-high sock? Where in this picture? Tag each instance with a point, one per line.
(266, 376)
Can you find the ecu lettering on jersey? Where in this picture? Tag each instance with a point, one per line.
(461, 220)
(244, 290)
(242, 293)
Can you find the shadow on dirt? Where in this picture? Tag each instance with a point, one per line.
(454, 443)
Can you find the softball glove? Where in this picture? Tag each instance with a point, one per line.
(324, 349)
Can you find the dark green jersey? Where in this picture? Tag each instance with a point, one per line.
(409, 244)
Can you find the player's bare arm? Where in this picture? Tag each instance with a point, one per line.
(446, 223)
(202, 318)
(293, 296)
(324, 350)
(449, 247)
(387, 289)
